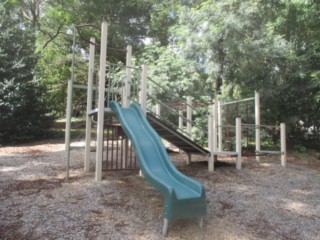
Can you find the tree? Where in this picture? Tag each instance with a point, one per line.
(300, 88)
(23, 112)
(237, 47)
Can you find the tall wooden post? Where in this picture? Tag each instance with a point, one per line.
(101, 101)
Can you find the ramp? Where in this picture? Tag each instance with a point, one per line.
(171, 134)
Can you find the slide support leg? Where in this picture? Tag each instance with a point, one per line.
(165, 227)
(201, 222)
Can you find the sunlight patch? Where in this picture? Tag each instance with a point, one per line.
(10, 169)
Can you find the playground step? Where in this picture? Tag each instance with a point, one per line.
(170, 134)
(269, 152)
(225, 153)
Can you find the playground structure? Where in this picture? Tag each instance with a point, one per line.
(181, 193)
(217, 129)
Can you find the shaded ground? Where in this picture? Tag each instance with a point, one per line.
(261, 201)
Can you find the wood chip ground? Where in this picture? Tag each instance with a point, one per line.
(261, 201)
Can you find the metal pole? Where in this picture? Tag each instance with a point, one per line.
(210, 135)
(127, 88)
(189, 115)
(69, 105)
(158, 110)
(189, 122)
(215, 121)
(257, 122)
(101, 105)
(180, 118)
(283, 144)
(238, 143)
(219, 127)
(213, 136)
(126, 99)
(89, 105)
(143, 92)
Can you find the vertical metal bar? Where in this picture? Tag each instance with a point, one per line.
(283, 144)
(89, 105)
(69, 106)
(121, 152)
(257, 122)
(113, 84)
(158, 110)
(219, 127)
(126, 149)
(109, 85)
(143, 92)
(131, 160)
(227, 129)
(96, 92)
(127, 88)
(237, 109)
(189, 115)
(210, 141)
(107, 148)
(247, 121)
(180, 118)
(112, 148)
(238, 143)
(117, 147)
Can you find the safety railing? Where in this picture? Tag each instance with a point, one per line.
(171, 108)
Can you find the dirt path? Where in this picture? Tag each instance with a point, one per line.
(262, 201)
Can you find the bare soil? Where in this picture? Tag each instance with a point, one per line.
(261, 201)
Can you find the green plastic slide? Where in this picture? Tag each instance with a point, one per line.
(183, 196)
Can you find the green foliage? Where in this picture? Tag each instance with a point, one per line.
(177, 77)
(23, 112)
(242, 46)
(231, 43)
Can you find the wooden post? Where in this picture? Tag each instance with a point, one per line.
(101, 105)
(89, 105)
